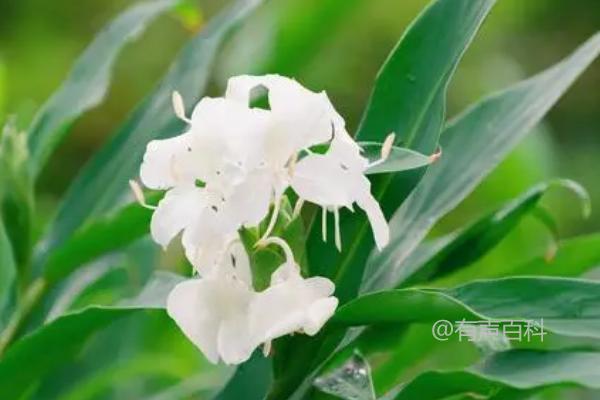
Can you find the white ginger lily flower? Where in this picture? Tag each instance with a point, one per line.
(213, 312)
(291, 303)
(227, 320)
(214, 154)
(301, 119)
(337, 179)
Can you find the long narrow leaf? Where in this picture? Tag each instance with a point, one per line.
(512, 372)
(88, 82)
(473, 145)
(569, 307)
(56, 343)
(8, 271)
(103, 182)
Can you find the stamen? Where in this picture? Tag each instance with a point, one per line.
(324, 223)
(297, 208)
(273, 220)
(267, 348)
(386, 149)
(338, 236)
(388, 143)
(435, 156)
(179, 107)
(289, 255)
(138, 193)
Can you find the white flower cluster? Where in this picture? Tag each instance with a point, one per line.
(227, 171)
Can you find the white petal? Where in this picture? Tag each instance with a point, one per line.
(320, 180)
(250, 200)
(234, 342)
(161, 168)
(291, 304)
(302, 118)
(318, 314)
(238, 262)
(228, 132)
(176, 211)
(380, 227)
(186, 304)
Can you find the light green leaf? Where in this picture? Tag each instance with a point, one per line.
(352, 381)
(8, 271)
(468, 245)
(400, 159)
(103, 182)
(512, 372)
(569, 307)
(473, 145)
(574, 257)
(88, 81)
(97, 238)
(56, 343)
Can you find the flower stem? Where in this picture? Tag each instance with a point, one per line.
(32, 295)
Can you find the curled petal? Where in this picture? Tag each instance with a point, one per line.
(163, 166)
(175, 212)
(186, 305)
(379, 225)
(213, 313)
(291, 304)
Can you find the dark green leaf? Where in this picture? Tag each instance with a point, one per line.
(473, 242)
(352, 381)
(408, 99)
(251, 380)
(515, 371)
(568, 307)
(103, 182)
(57, 342)
(97, 238)
(88, 81)
(8, 271)
(473, 145)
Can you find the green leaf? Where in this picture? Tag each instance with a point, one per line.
(473, 242)
(400, 159)
(88, 81)
(58, 342)
(104, 181)
(8, 271)
(97, 238)
(574, 257)
(352, 381)
(515, 371)
(251, 380)
(408, 99)
(569, 307)
(473, 145)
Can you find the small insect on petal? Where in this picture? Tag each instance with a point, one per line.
(178, 106)
(388, 143)
(139, 195)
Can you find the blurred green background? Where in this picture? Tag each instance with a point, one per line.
(335, 45)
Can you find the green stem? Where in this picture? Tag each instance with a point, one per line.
(32, 295)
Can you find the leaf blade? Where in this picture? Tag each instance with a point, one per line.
(474, 143)
(88, 81)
